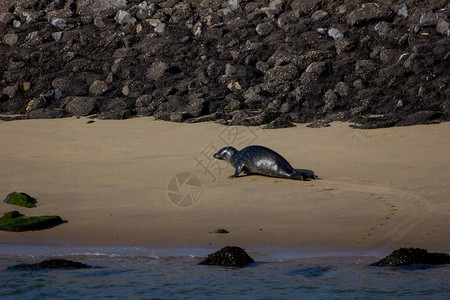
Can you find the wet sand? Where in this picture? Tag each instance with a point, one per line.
(378, 190)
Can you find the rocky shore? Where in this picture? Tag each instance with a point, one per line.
(383, 63)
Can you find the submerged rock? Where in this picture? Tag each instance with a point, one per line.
(21, 199)
(49, 265)
(229, 256)
(412, 256)
(14, 221)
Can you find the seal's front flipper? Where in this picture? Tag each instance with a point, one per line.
(238, 170)
(303, 174)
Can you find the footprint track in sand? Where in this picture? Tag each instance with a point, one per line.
(402, 216)
(403, 211)
(390, 212)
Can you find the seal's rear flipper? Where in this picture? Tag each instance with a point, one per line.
(305, 174)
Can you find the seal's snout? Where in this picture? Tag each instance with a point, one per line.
(216, 155)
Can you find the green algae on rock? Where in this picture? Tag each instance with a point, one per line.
(14, 221)
(49, 265)
(21, 199)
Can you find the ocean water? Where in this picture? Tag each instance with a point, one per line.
(175, 274)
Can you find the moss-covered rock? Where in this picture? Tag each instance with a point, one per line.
(412, 256)
(220, 230)
(229, 256)
(14, 221)
(50, 264)
(21, 199)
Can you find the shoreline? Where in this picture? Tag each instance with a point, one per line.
(380, 189)
(260, 255)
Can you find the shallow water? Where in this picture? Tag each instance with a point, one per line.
(146, 273)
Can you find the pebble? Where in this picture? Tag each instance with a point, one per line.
(98, 21)
(319, 15)
(98, 88)
(126, 90)
(10, 39)
(6, 17)
(335, 34)
(160, 28)
(123, 18)
(430, 18)
(264, 28)
(382, 28)
(443, 27)
(57, 35)
(403, 11)
(26, 85)
(17, 24)
(59, 23)
(10, 91)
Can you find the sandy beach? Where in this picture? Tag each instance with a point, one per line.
(378, 189)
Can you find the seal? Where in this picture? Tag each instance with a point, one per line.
(263, 161)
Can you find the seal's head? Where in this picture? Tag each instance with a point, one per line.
(225, 153)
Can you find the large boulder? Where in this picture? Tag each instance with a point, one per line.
(20, 199)
(14, 221)
(229, 256)
(412, 256)
(50, 264)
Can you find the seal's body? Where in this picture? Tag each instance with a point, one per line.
(263, 161)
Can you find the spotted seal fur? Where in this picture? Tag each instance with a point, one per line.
(263, 161)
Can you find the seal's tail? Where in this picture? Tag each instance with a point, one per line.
(303, 174)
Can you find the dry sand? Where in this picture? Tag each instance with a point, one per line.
(379, 189)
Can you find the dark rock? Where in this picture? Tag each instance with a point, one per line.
(206, 60)
(282, 73)
(421, 117)
(157, 70)
(342, 88)
(116, 109)
(283, 121)
(21, 199)
(313, 72)
(265, 28)
(365, 68)
(443, 27)
(220, 230)
(98, 88)
(306, 5)
(46, 113)
(319, 124)
(6, 17)
(10, 91)
(412, 256)
(50, 264)
(344, 45)
(368, 12)
(196, 106)
(14, 221)
(430, 18)
(99, 7)
(80, 106)
(382, 28)
(10, 39)
(229, 256)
